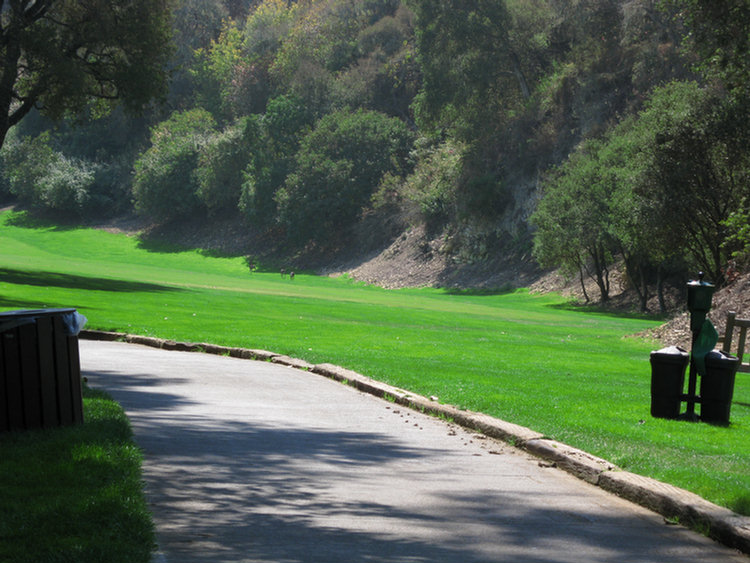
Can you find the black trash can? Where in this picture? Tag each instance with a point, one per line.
(717, 387)
(40, 372)
(667, 381)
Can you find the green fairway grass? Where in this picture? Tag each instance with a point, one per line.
(575, 375)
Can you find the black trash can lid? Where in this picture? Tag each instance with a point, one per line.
(10, 320)
(719, 357)
(671, 351)
(32, 313)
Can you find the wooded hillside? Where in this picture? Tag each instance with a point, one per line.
(583, 132)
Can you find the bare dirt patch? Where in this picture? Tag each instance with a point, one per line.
(414, 259)
(130, 225)
(395, 251)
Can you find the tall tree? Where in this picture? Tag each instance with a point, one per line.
(720, 35)
(59, 55)
(574, 217)
(473, 57)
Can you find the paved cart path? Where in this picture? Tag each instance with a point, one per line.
(250, 461)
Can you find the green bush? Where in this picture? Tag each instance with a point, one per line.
(280, 129)
(434, 184)
(166, 183)
(45, 179)
(25, 161)
(221, 164)
(738, 240)
(67, 184)
(339, 165)
(105, 147)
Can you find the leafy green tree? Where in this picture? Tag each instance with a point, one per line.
(215, 69)
(574, 218)
(321, 44)
(481, 62)
(648, 245)
(248, 90)
(281, 128)
(738, 238)
(475, 60)
(608, 172)
(385, 76)
(267, 27)
(667, 188)
(60, 55)
(239, 9)
(222, 162)
(338, 168)
(166, 185)
(698, 167)
(719, 32)
(196, 23)
(682, 169)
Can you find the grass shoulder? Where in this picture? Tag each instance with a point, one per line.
(75, 494)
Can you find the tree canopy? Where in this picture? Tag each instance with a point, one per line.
(60, 55)
(595, 131)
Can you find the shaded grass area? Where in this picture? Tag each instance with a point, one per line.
(570, 373)
(74, 494)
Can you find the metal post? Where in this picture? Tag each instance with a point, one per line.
(700, 294)
(692, 383)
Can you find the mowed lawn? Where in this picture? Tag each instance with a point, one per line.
(576, 376)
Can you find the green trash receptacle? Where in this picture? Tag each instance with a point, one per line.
(667, 381)
(717, 387)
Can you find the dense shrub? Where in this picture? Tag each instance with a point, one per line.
(45, 179)
(166, 183)
(434, 184)
(339, 165)
(222, 162)
(67, 185)
(25, 161)
(285, 122)
(738, 240)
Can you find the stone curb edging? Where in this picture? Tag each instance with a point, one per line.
(721, 524)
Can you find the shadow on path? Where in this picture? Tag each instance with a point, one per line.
(242, 484)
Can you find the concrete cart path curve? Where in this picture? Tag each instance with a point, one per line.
(250, 461)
